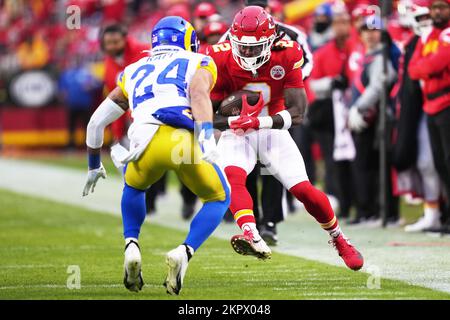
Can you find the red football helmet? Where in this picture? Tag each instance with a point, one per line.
(275, 6)
(216, 27)
(252, 35)
(204, 10)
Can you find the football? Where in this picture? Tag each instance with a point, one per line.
(232, 105)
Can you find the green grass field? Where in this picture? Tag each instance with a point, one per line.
(39, 239)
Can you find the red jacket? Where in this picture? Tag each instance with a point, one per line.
(133, 52)
(431, 63)
(330, 61)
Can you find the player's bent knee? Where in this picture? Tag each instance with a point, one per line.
(221, 205)
(135, 183)
(215, 188)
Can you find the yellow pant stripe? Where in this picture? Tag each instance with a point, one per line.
(328, 224)
(241, 213)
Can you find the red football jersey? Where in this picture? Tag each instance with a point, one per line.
(282, 71)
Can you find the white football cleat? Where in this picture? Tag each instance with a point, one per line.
(177, 262)
(246, 244)
(423, 223)
(132, 265)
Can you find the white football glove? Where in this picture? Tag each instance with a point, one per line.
(356, 120)
(92, 178)
(209, 147)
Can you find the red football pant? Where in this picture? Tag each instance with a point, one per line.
(316, 203)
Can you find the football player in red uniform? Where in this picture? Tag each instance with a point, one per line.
(248, 61)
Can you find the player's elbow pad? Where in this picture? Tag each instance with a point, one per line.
(106, 113)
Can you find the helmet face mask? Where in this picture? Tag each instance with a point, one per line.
(420, 18)
(252, 36)
(250, 55)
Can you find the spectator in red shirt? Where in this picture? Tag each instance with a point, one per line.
(431, 64)
(120, 51)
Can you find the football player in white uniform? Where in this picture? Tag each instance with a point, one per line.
(168, 94)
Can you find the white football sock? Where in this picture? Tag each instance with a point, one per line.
(336, 232)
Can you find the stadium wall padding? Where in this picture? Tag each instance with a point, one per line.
(41, 127)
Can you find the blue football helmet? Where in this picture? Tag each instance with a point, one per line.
(175, 31)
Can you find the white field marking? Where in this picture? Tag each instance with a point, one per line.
(333, 293)
(29, 266)
(221, 267)
(235, 272)
(56, 247)
(60, 286)
(300, 236)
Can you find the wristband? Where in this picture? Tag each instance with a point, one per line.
(265, 122)
(287, 119)
(94, 161)
(209, 129)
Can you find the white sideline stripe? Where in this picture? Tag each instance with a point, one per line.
(300, 236)
(29, 266)
(60, 286)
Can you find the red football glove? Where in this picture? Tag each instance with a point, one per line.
(251, 111)
(245, 122)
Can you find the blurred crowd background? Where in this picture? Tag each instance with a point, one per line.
(59, 58)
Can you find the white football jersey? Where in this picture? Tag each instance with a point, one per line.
(157, 87)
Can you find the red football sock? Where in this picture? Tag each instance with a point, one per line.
(316, 203)
(241, 202)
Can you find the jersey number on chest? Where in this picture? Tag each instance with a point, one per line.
(145, 71)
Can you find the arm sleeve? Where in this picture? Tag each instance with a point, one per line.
(118, 128)
(371, 94)
(107, 112)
